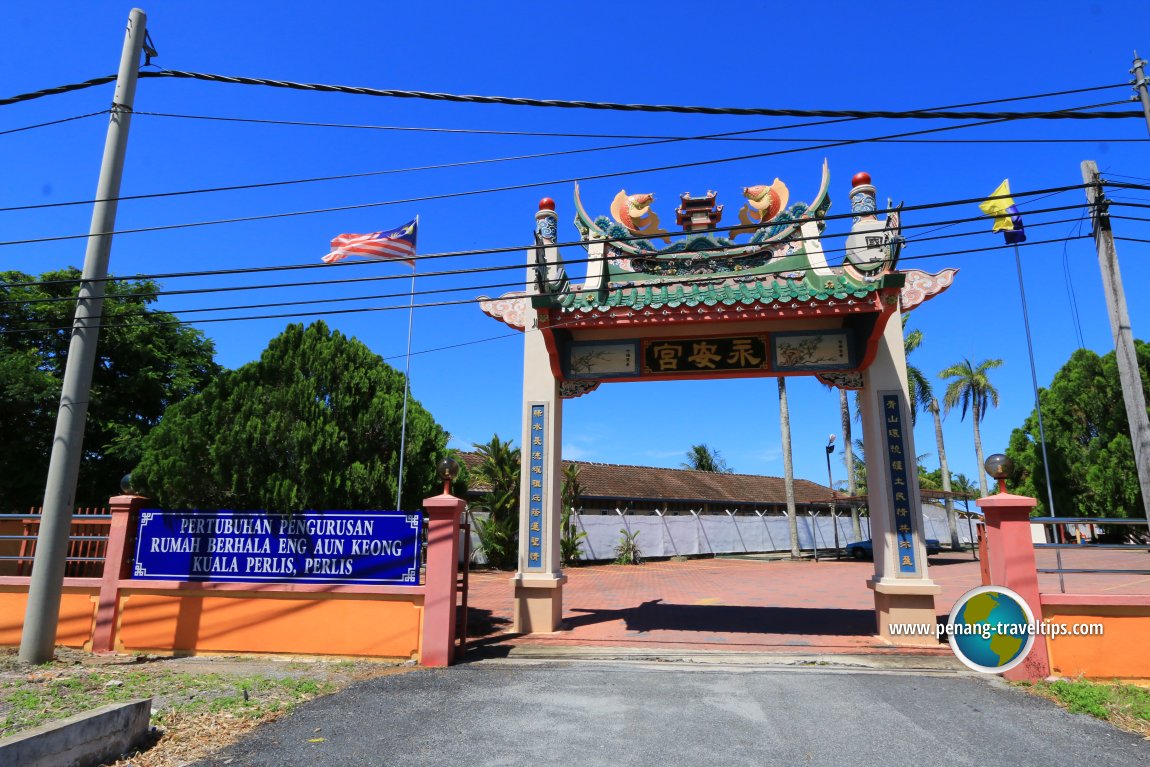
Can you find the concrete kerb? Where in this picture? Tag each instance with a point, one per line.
(98, 736)
(875, 662)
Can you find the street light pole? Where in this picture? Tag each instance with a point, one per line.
(831, 486)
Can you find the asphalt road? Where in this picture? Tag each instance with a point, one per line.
(597, 714)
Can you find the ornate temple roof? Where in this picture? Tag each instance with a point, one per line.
(636, 289)
(729, 293)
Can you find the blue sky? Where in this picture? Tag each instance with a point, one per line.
(832, 55)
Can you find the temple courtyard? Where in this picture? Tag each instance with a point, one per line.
(750, 605)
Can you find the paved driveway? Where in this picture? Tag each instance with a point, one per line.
(717, 604)
(509, 714)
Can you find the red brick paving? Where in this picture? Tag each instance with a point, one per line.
(755, 605)
(709, 604)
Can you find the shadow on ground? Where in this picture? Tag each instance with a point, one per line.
(657, 615)
(484, 623)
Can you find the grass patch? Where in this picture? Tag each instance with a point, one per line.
(1124, 705)
(48, 693)
(199, 705)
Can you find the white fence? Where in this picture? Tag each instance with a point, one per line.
(690, 533)
(745, 532)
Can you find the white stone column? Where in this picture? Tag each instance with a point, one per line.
(903, 590)
(539, 580)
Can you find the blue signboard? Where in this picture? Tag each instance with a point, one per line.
(899, 483)
(350, 547)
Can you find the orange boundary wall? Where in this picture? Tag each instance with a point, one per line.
(77, 611)
(1121, 652)
(117, 614)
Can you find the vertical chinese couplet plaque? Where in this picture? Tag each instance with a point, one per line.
(538, 473)
(900, 489)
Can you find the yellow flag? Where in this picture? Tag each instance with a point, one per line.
(997, 208)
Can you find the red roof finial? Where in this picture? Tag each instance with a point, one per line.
(860, 179)
(546, 204)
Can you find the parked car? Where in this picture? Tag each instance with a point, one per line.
(865, 549)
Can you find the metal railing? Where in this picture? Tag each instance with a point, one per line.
(86, 546)
(1058, 548)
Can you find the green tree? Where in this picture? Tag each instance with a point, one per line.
(858, 451)
(918, 385)
(498, 471)
(146, 361)
(944, 474)
(848, 455)
(702, 458)
(849, 461)
(971, 388)
(922, 398)
(964, 485)
(313, 424)
(1088, 443)
(570, 537)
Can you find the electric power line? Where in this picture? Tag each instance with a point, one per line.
(519, 248)
(1075, 231)
(53, 122)
(658, 137)
(136, 296)
(474, 192)
(595, 105)
(366, 174)
(439, 304)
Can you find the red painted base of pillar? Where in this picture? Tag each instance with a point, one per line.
(1010, 562)
(443, 514)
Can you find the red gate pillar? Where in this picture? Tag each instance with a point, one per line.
(443, 513)
(1010, 562)
(124, 509)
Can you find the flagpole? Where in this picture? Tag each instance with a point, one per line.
(406, 388)
(1034, 381)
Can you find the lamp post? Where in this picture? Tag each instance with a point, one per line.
(831, 486)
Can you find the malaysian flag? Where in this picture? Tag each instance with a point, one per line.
(393, 243)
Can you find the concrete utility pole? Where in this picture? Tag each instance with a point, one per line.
(1140, 87)
(39, 638)
(1120, 326)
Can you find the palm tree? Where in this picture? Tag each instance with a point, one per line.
(922, 398)
(964, 485)
(917, 384)
(849, 460)
(788, 466)
(499, 470)
(702, 458)
(972, 389)
(848, 455)
(955, 543)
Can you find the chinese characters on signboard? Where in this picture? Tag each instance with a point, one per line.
(704, 355)
(899, 462)
(538, 474)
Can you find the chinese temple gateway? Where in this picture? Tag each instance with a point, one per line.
(709, 301)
